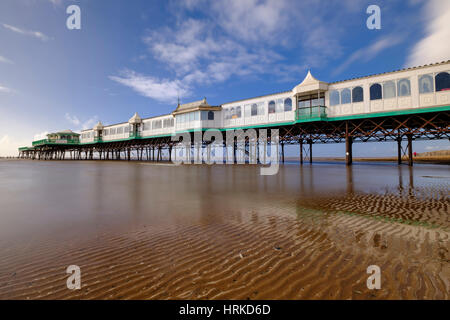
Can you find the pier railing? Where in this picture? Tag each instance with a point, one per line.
(135, 135)
(62, 141)
(312, 113)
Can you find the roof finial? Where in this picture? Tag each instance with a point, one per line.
(178, 99)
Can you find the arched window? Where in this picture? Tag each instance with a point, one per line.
(375, 91)
(426, 84)
(254, 110)
(334, 97)
(357, 94)
(210, 115)
(442, 81)
(346, 96)
(389, 90)
(271, 107)
(238, 112)
(404, 88)
(288, 104)
(232, 113)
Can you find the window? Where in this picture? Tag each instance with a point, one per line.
(232, 113)
(227, 114)
(254, 109)
(375, 91)
(167, 123)
(247, 111)
(279, 106)
(238, 112)
(304, 103)
(191, 116)
(357, 94)
(404, 88)
(317, 102)
(120, 130)
(442, 81)
(288, 105)
(156, 124)
(106, 132)
(261, 108)
(346, 96)
(389, 90)
(207, 115)
(127, 128)
(271, 107)
(426, 84)
(334, 98)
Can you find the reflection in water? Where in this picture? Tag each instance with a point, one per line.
(131, 194)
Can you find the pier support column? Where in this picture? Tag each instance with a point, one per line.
(348, 151)
(310, 150)
(348, 146)
(399, 150)
(410, 151)
(282, 152)
(301, 151)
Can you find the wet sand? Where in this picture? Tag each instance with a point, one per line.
(156, 231)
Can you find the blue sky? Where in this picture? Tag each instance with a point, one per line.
(140, 55)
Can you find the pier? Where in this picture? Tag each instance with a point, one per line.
(400, 106)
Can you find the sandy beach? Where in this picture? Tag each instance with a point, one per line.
(223, 232)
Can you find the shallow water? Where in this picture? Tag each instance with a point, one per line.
(143, 230)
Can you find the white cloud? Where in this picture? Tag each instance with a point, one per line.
(197, 54)
(88, 124)
(434, 47)
(6, 90)
(10, 146)
(5, 60)
(253, 20)
(371, 51)
(159, 89)
(72, 119)
(40, 136)
(36, 34)
(80, 125)
(240, 38)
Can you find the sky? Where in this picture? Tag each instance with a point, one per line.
(141, 55)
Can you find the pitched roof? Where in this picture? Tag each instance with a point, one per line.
(98, 126)
(68, 131)
(193, 106)
(135, 119)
